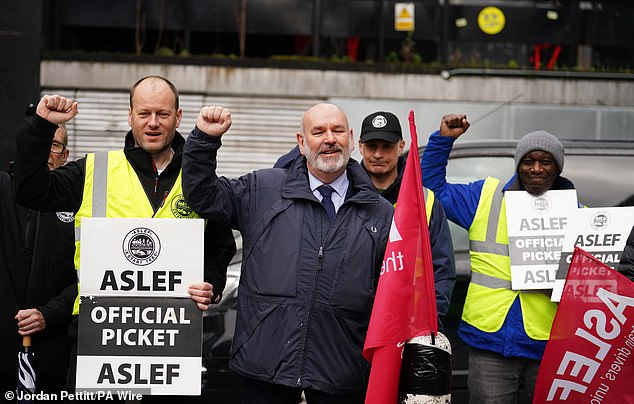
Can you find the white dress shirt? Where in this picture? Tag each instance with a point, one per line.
(340, 186)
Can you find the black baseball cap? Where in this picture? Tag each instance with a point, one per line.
(381, 125)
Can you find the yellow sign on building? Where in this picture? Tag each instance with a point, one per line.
(404, 16)
(491, 20)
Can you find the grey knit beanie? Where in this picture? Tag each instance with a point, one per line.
(540, 140)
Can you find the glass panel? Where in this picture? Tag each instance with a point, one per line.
(467, 169)
(601, 180)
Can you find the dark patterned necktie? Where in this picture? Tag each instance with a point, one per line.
(326, 202)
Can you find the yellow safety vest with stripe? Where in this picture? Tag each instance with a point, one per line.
(429, 203)
(113, 189)
(489, 297)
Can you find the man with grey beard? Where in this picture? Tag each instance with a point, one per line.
(314, 235)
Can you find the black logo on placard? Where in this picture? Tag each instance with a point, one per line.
(141, 246)
(600, 220)
(180, 208)
(541, 204)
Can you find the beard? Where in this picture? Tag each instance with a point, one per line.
(327, 165)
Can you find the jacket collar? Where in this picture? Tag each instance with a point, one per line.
(360, 188)
(515, 184)
(141, 160)
(391, 192)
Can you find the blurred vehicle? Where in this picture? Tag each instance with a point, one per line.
(599, 170)
(220, 385)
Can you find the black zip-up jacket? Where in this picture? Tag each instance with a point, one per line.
(62, 189)
(36, 271)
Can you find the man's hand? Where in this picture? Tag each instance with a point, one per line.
(56, 109)
(202, 294)
(214, 120)
(30, 321)
(454, 125)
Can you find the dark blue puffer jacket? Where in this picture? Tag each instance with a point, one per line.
(306, 289)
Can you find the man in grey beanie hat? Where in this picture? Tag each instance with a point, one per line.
(506, 330)
(540, 140)
(539, 159)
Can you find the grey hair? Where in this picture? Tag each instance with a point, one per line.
(65, 132)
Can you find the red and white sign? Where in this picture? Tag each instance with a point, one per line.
(590, 354)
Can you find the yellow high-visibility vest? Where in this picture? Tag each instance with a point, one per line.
(429, 203)
(489, 297)
(112, 189)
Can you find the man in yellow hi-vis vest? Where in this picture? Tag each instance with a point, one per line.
(506, 329)
(141, 180)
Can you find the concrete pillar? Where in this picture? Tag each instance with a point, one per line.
(20, 30)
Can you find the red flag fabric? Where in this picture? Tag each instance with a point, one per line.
(589, 357)
(405, 302)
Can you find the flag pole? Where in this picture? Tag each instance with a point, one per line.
(405, 302)
(425, 244)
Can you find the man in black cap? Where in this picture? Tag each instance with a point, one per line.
(381, 146)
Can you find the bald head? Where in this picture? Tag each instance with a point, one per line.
(155, 83)
(320, 109)
(325, 138)
(154, 116)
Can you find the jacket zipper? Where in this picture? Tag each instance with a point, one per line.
(156, 181)
(156, 178)
(320, 257)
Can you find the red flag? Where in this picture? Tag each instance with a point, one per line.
(405, 303)
(589, 357)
